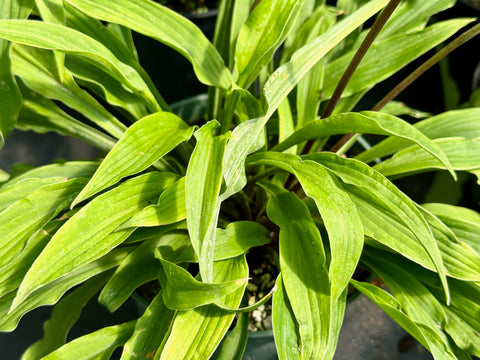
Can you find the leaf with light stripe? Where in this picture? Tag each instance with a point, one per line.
(185, 340)
(202, 189)
(25, 217)
(145, 142)
(304, 271)
(90, 233)
(462, 154)
(167, 26)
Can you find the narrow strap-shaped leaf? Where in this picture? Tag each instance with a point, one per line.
(11, 99)
(392, 307)
(420, 305)
(26, 216)
(264, 31)
(150, 331)
(62, 38)
(462, 154)
(51, 293)
(364, 122)
(338, 212)
(182, 292)
(64, 315)
(145, 142)
(90, 233)
(170, 208)
(100, 342)
(464, 335)
(68, 170)
(395, 52)
(387, 195)
(22, 189)
(140, 267)
(285, 326)
(186, 340)
(34, 67)
(167, 26)
(458, 123)
(203, 182)
(304, 271)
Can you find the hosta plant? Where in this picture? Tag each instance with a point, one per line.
(269, 164)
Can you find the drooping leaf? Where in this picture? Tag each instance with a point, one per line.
(364, 122)
(61, 38)
(170, 208)
(68, 170)
(90, 233)
(167, 26)
(26, 216)
(386, 195)
(457, 123)
(52, 292)
(34, 66)
(202, 189)
(149, 332)
(182, 292)
(140, 267)
(264, 31)
(462, 154)
(184, 341)
(339, 214)
(64, 315)
(143, 144)
(304, 271)
(99, 343)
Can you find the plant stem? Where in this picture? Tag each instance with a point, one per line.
(458, 41)
(352, 66)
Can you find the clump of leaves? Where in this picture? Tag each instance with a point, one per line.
(180, 199)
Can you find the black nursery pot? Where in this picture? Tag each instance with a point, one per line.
(171, 72)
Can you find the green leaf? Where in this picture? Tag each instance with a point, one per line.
(395, 52)
(25, 217)
(34, 66)
(284, 79)
(304, 271)
(384, 194)
(339, 214)
(392, 307)
(90, 233)
(145, 142)
(235, 342)
(285, 326)
(52, 292)
(64, 315)
(11, 99)
(264, 31)
(364, 122)
(461, 153)
(68, 170)
(465, 223)
(202, 188)
(149, 332)
(167, 26)
(420, 305)
(458, 123)
(101, 342)
(464, 335)
(237, 238)
(182, 292)
(61, 38)
(170, 208)
(183, 341)
(140, 267)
